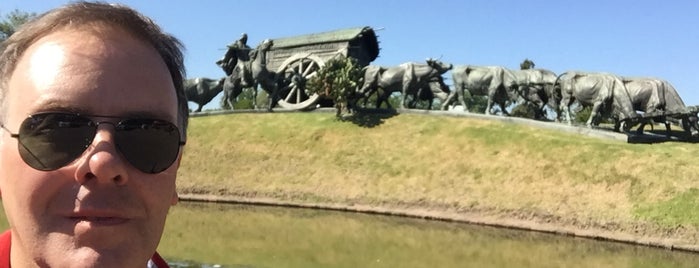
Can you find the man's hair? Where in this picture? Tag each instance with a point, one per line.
(81, 13)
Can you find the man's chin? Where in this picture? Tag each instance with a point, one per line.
(92, 257)
(94, 244)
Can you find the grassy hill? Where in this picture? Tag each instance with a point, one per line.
(507, 174)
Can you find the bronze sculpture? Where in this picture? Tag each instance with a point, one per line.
(238, 50)
(537, 86)
(250, 70)
(654, 96)
(493, 81)
(283, 66)
(407, 78)
(605, 92)
(202, 90)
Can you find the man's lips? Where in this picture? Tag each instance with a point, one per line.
(103, 221)
(98, 218)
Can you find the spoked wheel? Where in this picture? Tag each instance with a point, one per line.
(623, 125)
(297, 70)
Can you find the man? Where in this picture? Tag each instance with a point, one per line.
(242, 42)
(229, 62)
(93, 117)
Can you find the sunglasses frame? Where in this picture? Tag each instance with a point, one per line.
(91, 122)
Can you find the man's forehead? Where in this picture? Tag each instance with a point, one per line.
(94, 33)
(103, 52)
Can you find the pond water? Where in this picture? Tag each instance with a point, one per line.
(218, 235)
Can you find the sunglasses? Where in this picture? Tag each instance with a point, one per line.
(49, 141)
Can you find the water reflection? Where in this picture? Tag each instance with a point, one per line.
(249, 236)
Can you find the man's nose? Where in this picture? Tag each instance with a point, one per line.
(103, 163)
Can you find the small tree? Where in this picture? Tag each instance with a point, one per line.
(244, 100)
(338, 80)
(526, 64)
(12, 21)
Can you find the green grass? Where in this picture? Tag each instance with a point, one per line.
(681, 209)
(442, 163)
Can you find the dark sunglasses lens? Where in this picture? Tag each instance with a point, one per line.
(53, 140)
(149, 145)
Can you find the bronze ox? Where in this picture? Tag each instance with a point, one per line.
(653, 96)
(202, 90)
(605, 92)
(407, 78)
(493, 81)
(537, 86)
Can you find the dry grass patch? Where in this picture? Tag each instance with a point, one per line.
(455, 164)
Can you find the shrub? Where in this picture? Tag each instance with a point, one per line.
(338, 80)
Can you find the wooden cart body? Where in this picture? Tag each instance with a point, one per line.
(686, 118)
(303, 55)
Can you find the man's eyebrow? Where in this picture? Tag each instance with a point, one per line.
(54, 106)
(144, 114)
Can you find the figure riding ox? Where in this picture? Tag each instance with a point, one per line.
(653, 96)
(605, 92)
(537, 86)
(493, 81)
(250, 71)
(202, 90)
(407, 78)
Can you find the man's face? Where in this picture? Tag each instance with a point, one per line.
(98, 210)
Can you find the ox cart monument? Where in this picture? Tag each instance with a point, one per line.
(282, 66)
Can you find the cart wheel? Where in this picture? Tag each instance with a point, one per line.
(624, 126)
(297, 70)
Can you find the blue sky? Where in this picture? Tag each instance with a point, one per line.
(628, 38)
